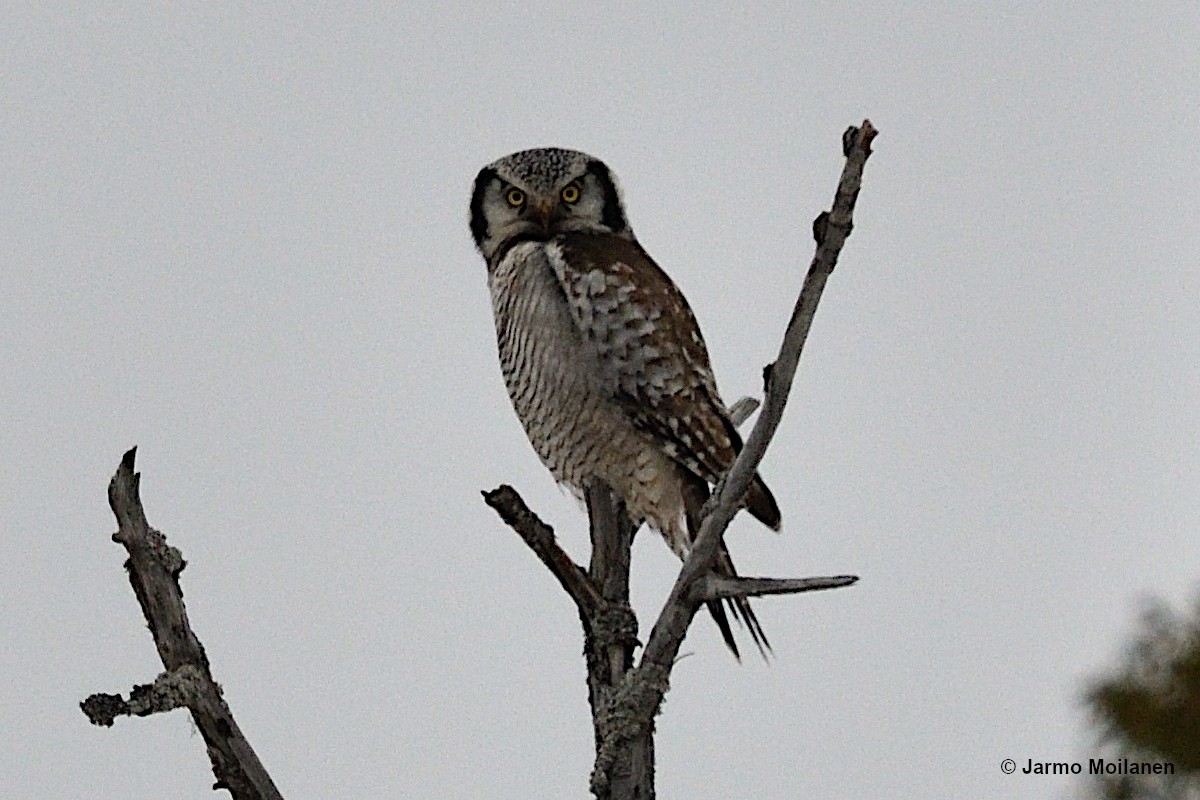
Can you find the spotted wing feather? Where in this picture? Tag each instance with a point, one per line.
(652, 356)
(649, 347)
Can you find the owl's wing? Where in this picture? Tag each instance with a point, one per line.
(649, 347)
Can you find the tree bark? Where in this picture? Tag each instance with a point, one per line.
(625, 772)
(154, 568)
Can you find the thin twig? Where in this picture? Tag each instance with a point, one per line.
(540, 538)
(720, 587)
(740, 411)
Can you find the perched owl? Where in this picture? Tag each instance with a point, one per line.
(601, 354)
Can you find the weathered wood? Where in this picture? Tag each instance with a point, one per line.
(830, 231)
(624, 767)
(721, 587)
(540, 538)
(154, 568)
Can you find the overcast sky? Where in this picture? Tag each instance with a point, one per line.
(237, 238)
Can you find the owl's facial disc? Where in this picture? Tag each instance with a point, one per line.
(535, 195)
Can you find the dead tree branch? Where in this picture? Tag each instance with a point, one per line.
(154, 568)
(830, 231)
(624, 698)
(720, 587)
(540, 538)
(624, 766)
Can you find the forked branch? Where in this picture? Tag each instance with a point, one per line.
(625, 700)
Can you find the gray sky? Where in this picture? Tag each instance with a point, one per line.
(237, 238)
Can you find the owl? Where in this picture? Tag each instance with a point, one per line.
(601, 354)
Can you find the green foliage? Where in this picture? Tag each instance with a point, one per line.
(1148, 709)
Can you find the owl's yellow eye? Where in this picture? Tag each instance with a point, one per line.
(570, 193)
(515, 197)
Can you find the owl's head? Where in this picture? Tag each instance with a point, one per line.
(534, 195)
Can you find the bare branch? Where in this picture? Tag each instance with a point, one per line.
(720, 587)
(154, 568)
(169, 691)
(740, 411)
(624, 766)
(540, 538)
(830, 231)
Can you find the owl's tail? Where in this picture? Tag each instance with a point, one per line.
(695, 494)
(741, 610)
(759, 500)
(761, 504)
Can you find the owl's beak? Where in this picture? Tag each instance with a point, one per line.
(541, 212)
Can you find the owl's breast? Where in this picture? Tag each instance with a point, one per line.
(552, 373)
